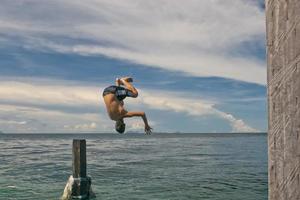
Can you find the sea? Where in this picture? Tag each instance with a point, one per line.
(181, 166)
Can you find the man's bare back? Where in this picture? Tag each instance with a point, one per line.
(113, 106)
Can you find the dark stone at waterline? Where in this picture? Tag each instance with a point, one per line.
(70, 191)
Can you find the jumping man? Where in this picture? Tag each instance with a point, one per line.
(113, 98)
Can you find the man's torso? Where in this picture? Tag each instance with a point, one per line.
(114, 107)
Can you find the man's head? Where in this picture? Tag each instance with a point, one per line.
(120, 126)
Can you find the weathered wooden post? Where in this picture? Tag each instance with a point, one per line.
(79, 184)
(283, 49)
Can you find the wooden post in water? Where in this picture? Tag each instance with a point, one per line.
(79, 169)
(79, 158)
(79, 184)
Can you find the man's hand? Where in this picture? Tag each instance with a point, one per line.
(148, 130)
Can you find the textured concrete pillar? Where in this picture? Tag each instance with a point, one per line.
(283, 49)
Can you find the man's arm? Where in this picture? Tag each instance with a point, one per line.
(139, 114)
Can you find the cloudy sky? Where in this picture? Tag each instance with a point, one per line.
(199, 65)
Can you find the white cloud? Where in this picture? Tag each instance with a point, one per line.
(22, 102)
(13, 122)
(20, 92)
(194, 107)
(81, 127)
(238, 125)
(191, 36)
(40, 120)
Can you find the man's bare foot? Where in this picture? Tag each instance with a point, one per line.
(118, 82)
(127, 79)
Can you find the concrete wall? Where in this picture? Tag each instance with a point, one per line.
(283, 49)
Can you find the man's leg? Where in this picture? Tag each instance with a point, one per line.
(127, 79)
(126, 82)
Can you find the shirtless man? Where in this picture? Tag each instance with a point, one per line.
(113, 98)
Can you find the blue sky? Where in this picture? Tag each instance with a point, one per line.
(199, 65)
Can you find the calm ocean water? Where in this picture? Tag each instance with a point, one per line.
(135, 166)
